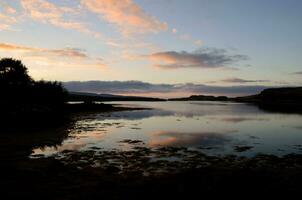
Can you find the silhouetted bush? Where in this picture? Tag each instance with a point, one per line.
(48, 93)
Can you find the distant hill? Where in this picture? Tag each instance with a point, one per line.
(90, 97)
(276, 96)
(287, 96)
(285, 100)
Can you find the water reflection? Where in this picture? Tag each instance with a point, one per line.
(195, 139)
(214, 127)
(18, 142)
(242, 119)
(298, 127)
(136, 114)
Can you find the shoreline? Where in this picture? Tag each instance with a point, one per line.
(43, 118)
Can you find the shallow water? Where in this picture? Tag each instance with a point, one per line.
(216, 128)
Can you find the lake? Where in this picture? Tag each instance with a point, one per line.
(215, 128)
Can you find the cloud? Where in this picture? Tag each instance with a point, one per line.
(126, 15)
(4, 27)
(9, 10)
(198, 42)
(7, 17)
(63, 57)
(297, 73)
(46, 12)
(239, 80)
(138, 87)
(122, 87)
(12, 47)
(185, 37)
(202, 58)
(70, 52)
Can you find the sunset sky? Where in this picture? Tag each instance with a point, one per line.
(160, 48)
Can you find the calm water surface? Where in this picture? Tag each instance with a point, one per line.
(213, 127)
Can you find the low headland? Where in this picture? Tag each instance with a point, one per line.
(286, 99)
(277, 96)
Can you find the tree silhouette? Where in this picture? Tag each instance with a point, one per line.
(19, 92)
(13, 73)
(49, 93)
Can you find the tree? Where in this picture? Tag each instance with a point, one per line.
(49, 93)
(20, 92)
(13, 73)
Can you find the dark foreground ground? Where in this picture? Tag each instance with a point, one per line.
(145, 174)
(142, 173)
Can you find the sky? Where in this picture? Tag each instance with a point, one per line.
(164, 48)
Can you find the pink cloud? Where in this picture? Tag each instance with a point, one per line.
(57, 57)
(7, 17)
(126, 15)
(9, 10)
(46, 12)
(202, 58)
(56, 52)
